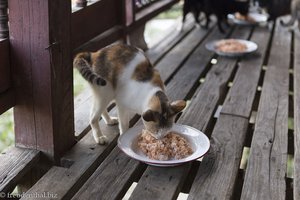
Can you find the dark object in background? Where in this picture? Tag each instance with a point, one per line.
(275, 8)
(193, 6)
(220, 8)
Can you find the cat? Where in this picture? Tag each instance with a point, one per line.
(123, 74)
(295, 14)
(220, 8)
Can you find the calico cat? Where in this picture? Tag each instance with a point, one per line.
(220, 8)
(295, 14)
(123, 74)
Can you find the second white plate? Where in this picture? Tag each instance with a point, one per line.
(251, 47)
(258, 18)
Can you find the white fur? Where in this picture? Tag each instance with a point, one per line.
(129, 95)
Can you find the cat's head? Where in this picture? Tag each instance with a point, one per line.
(159, 118)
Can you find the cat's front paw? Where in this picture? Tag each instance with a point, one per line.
(112, 121)
(101, 140)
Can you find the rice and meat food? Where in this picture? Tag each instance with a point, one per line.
(230, 46)
(170, 147)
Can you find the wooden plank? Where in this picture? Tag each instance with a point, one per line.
(266, 169)
(218, 171)
(87, 18)
(78, 165)
(5, 77)
(42, 62)
(105, 182)
(204, 98)
(241, 95)
(15, 163)
(160, 183)
(296, 181)
(193, 68)
(174, 37)
(180, 53)
(108, 37)
(7, 100)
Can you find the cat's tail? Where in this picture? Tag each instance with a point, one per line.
(82, 62)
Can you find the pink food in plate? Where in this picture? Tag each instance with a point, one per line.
(230, 46)
(170, 147)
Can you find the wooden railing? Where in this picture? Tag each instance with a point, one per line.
(36, 68)
(6, 93)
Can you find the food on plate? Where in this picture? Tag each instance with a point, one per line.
(248, 18)
(170, 147)
(230, 46)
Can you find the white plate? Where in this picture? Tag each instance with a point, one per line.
(258, 18)
(199, 142)
(251, 47)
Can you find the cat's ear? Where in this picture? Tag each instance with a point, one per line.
(148, 116)
(178, 106)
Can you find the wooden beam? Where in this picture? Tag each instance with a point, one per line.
(85, 23)
(7, 100)
(42, 74)
(108, 37)
(266, 168)
(5, 79)
(15, 163)
(3, 19)
(129, 12)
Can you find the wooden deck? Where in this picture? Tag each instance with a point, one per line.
(247, 104)
(224, 98)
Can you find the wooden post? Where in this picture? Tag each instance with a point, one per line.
(136, 37)
(42, 75)
(3, 19)
(129, 14)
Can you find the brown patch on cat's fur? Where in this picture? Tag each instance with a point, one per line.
(110, 61)
(143, 71)
(156, 80)
(154, 104)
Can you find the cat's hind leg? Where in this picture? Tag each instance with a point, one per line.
(99, 106)
(108, 119)
(96, 111)
(123, 119)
